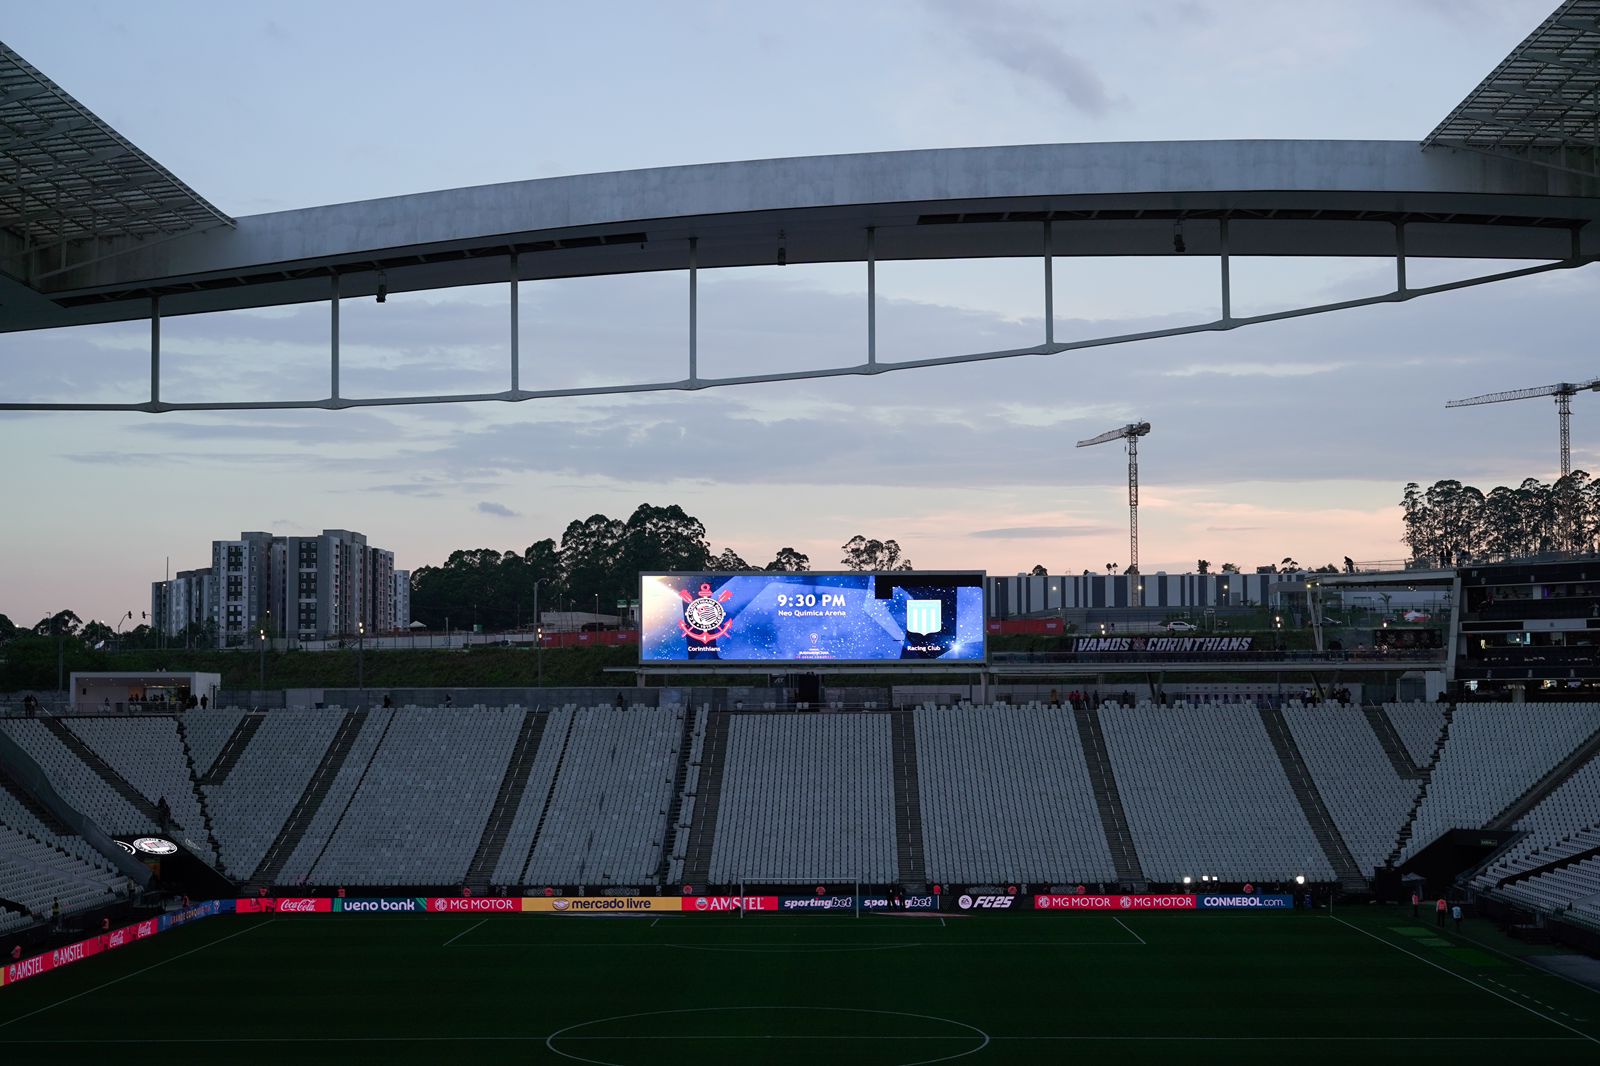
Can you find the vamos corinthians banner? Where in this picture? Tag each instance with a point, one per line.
(1165, 645)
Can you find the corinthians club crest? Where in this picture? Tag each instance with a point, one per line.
(704, 618)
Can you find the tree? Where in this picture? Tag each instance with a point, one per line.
(660, 538)
(590, 553)
(1349, 565)
(1288, 565)
(95, 633)
(1230, 568)
(1111, 568)
(1202, 566)
(789, 561)
(728, 562)
(60, 623)
(8, 629)
(1039, 570)
(873, 555)
(1326, 568)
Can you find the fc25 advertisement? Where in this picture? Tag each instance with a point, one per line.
(800, 618)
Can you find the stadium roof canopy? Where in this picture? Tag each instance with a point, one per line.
(66, 176)
(93, 230)
(1543, 101)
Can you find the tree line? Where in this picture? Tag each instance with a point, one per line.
(595, 564)
(1449, 523)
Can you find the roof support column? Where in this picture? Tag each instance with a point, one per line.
(1400, 257)
(333, 335)
(872, 296)
(516, 332)
(1227, 276)
(155, 349)
(694, 308)
(1049, 284)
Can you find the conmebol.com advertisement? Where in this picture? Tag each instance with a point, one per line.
(1246, 902)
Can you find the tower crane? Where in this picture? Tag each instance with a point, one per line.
(1130, 433)
(1563, 392)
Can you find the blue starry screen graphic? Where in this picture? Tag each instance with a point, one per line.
(800, 618)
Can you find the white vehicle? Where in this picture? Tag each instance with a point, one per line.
(1182, 627)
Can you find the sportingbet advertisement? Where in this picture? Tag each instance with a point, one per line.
(812, 618)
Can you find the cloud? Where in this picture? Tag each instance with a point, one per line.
(500, 510)
(1039, 532)
(1022, 39)
(1256, 370)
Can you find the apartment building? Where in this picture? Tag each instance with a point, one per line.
(332, 584)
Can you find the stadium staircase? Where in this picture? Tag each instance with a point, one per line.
(199, 793)
(907, 799)
(232, 749)
(680, 786)
(550, 793)
(1547, 784)
(12, 787)
(1113, 818)
(1393, 746)
(107, 773)
(305, 809)
(703, 828)
(372, 757)
(512, 786)
(1404, 836)
(1311, 802)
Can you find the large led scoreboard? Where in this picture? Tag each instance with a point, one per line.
(783, 618)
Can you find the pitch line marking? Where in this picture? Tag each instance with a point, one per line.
(543, 945)
(1468, 980)
(1124, 925)
(136, 973)
(476, 1038)
(464, 932)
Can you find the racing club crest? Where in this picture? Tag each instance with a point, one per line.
(704, 617)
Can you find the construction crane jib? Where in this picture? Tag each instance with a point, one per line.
(1130, 433)
(1563, 392)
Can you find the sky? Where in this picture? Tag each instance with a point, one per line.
(1292, 439)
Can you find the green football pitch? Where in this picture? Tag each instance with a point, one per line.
(1365, 985)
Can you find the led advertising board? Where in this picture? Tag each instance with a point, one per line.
(793, 619)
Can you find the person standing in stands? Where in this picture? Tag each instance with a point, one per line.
(55, 913)
(1438, 912)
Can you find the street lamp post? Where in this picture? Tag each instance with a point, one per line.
(262, 640)
(361, 659)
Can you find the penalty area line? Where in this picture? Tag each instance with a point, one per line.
(1131, 933)
(1462, 977)
(463, 932)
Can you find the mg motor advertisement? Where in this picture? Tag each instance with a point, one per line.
(1114, 903)
(1241, 901)
(800, 618)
